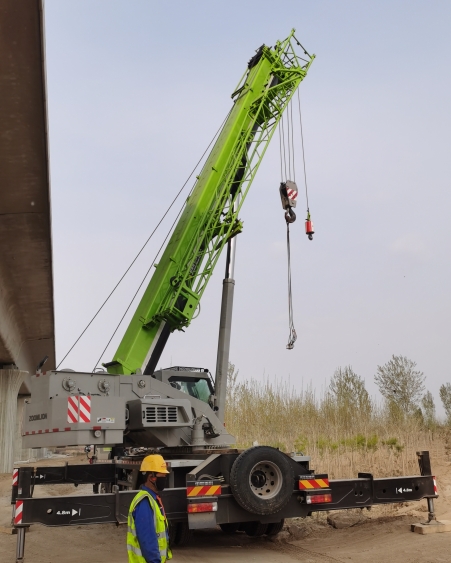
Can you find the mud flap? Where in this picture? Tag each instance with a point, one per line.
(202, 520)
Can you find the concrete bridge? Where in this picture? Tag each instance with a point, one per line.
(26, 281)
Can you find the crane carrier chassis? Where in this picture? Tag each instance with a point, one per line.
(207, 490)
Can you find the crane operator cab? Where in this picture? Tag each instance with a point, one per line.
(195, 382)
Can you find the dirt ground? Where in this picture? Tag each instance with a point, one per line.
(382, 534)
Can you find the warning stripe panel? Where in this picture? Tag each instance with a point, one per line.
(79, 408)
(85, 408)
(18, 513)
(209, 490)
(72, 409)
(307, 484)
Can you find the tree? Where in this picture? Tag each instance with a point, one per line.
(427, 402)
(232, 376)
(350, 393)
(400, 383)
(445, 396)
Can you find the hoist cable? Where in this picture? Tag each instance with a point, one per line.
(145, 244)
(292, 140)
(139, 287)
(289, 142)
(303, 152)
(280, 149)
(292, 334)
(283, 144)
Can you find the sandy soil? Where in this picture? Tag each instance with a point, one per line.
(382, 534)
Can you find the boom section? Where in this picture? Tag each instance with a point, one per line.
(210, 216)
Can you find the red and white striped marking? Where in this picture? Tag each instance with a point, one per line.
(435, 486)
(15, 477)
(85, 408)
(18, 514)
(79, 408)
(72, 409)
(292, 194)
(32, 433)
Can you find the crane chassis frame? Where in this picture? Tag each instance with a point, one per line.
(121, 477)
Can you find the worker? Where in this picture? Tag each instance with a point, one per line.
(147, 536)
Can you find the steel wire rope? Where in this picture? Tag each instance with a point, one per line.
(292, 337)
(139, 287)
(288, 141)
(283, 144)
(280, 150)
(303, 152)
(147, 241)
(292, 140)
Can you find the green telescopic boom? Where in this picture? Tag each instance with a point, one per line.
(210, 216)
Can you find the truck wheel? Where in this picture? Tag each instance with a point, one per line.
(230, 528)
(274, 528)
(255, 529)
(262, 480)
(183, 534)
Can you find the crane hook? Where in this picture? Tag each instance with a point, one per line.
(290, 215)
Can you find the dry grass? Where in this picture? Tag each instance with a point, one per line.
(340, 441)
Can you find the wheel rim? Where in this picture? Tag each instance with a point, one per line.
(265, 479)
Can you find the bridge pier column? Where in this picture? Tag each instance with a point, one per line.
(10, 382)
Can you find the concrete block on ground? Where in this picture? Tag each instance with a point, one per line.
(434, 527)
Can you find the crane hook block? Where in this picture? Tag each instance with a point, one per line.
(288, 194)
(309, 230)
(290, 215)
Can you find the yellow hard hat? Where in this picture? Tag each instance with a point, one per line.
(155, 463)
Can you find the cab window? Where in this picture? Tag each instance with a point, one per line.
(197, 388)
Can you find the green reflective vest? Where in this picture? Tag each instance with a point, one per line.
(161, 529)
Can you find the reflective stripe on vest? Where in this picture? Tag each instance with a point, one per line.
(161, 530)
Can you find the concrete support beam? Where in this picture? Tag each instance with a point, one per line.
(10, 382)
(26, 284)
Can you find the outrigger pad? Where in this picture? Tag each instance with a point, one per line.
(434, 527)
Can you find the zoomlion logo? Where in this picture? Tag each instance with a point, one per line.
(34, 417)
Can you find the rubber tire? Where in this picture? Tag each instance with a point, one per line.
(239, 480)
(274, 528)
(182, 534)
(172, 530)
(230, 528)
(255, 529)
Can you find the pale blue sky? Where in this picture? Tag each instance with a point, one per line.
(136, 90)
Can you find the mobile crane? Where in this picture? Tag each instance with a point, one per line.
(133, 409)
